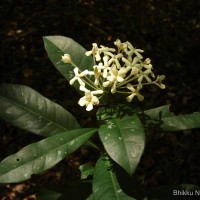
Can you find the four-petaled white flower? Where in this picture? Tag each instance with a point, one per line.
(116, 76)
(78, 76)
(95, 52)
(159, 80)
(134, 92)
(89, 99)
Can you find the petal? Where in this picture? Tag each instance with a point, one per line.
(89, 107)
(130, 97)
(114, 70)
(119, 79)
(130, 87)
(88, 53)
(140, 97)
(82, 101)
(84, 73)
(71, 82)
(81, 82)
(76, 71)
(95, 100)
(82, 88)
(97, 92)
(140, 78)
(106, 84)
(113, 88)
(111, 78)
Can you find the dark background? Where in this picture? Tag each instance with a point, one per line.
(169, 33)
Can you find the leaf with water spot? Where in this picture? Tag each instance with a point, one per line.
(57, 46)
(163, 118)
(40, 156)
(124, 141)
(25, 108)
(105, 185)
(181, 122)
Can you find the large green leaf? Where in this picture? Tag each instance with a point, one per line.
(124, 141)
(105, 185)
(57, 46)
(163, 118)
(27, 109)
(40, 156)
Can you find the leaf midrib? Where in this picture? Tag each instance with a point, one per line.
(21, 106)
(46, 152)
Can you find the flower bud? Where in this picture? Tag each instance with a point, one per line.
(66, 58)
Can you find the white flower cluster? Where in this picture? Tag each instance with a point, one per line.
(116, 70)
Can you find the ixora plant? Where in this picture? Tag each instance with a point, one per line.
(100, 75)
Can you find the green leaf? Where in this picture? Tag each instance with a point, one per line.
(159, 112)
(162, 117)
(124, 141)
(25, 108)
(86, 170)
(181, 122)
(46, 194)
(57, 46)
(105, 185)
(40, 156)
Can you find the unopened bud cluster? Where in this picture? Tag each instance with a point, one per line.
(116, 70)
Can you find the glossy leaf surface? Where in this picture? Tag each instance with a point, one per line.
(105, 185)
(124, 141)
(25, 108)
(165, 119)
(40, 156)
(57, 46)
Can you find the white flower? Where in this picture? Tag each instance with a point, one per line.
(159, 80)
(134, 51)
(89, 99)
(95, 52)
(78, 76)
(134, 92)
(145, 75)
(121, 46)
(66, 58)
(97, 74)
(116, 76)
(131, 62)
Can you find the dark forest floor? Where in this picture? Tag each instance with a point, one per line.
(169, 33)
